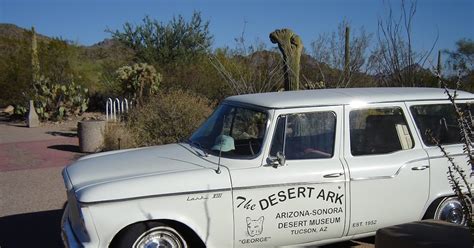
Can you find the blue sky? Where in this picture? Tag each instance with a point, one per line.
(84, 21)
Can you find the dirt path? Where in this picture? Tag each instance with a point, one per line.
(32, 191)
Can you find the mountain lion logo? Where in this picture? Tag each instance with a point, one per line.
(254, 227)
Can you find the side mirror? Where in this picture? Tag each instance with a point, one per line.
(278, 160)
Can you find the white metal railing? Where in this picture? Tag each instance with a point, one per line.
(115, 108)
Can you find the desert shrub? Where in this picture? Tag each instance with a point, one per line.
(117, 136)
(176, 42)
(55, 101)
(168, 117)
(139, 81)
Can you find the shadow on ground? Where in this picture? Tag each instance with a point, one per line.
(64, 134)
(42, 229)
(66, 148)
(363, 242)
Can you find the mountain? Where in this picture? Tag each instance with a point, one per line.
(12, 31)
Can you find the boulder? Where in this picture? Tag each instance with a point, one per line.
(9, 110)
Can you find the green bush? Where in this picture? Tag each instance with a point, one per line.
(56, 101)
(168, 117)
(139, 81)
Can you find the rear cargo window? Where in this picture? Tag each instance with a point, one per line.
(379, 131)
(440, 119)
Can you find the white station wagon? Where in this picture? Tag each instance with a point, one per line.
(275, 169)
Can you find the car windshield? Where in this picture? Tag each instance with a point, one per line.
(232, 132)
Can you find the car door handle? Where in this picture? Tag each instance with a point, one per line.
(419, 168)
(333, 175)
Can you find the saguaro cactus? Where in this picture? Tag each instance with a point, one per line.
(34, 57)
(291, 47)
(347, 55)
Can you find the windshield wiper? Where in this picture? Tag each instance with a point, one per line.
(198, 145)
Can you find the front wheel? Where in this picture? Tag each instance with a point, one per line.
(450, 210)
(148, 235)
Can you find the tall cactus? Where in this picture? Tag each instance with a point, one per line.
(290, 46)
(34, 57)
(347, 56)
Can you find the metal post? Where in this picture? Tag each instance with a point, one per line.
(109, 109)
(117, 101)
(126, 104)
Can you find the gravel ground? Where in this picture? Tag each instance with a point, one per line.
(32, 191)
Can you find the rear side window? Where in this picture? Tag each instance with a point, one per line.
(440, 119)
(379, 131)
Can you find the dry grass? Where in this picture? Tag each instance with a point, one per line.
(166, 118)
(117, 136)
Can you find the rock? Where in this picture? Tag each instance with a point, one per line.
(9, 110)
(33, 119)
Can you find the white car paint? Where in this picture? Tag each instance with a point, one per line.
(251, 203)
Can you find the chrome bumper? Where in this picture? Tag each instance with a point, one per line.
(67, 234)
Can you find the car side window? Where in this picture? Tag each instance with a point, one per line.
(379, 131)
(441, 120)
(305, 135)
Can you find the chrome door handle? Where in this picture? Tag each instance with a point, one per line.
(333, 175)
(419, 168)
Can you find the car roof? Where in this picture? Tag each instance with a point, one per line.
(327, 97)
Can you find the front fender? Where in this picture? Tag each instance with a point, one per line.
(154, 185)
(206, 208)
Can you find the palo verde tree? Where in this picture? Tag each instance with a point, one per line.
(461, 61)
(178, 41)
(463, 57)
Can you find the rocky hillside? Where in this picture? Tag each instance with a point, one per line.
(12, 31)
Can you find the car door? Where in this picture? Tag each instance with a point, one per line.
(302, 199)
(389, 170)
(439, 117)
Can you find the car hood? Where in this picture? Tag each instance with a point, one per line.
(139, 172)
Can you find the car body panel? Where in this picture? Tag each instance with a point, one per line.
(254, 201)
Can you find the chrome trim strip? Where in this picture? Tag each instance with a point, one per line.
(373, 178)
(159, 195)
(392, 176)
(214, 190)
(287, 184)
(452, 155)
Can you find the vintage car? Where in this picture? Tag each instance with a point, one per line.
(275, 169)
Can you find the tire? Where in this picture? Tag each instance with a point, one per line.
(149, 234)
(450, 210)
